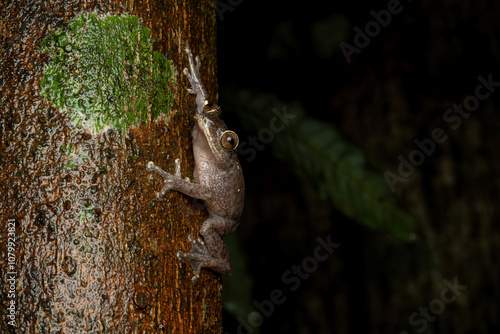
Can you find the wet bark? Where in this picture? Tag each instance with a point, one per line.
(92, 249)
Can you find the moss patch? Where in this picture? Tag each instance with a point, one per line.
(105, 72)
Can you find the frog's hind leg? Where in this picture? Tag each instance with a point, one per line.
(210, 252)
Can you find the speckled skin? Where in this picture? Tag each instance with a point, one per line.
(218, 180)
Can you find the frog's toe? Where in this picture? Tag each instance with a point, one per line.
(181, 256)
(166, 188)
(195, 261)
(199, 257)
(178, 168)
(150, 166)
(198, 249)
(198, 63)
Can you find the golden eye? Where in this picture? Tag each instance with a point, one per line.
(229, 140)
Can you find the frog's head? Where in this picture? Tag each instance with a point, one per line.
(215, 136)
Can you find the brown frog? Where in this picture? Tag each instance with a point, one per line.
(218, 180)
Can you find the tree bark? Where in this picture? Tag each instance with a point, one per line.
(93, 250)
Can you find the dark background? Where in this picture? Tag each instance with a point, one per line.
(394, 91)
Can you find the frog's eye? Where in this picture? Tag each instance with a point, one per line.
(229, 140)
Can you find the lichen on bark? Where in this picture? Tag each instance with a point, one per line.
(104, 72)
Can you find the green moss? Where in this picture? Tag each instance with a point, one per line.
(75, 158)
(85, 213)
(105, 72)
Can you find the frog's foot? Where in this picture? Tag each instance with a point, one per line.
(170, 179)
(193, 75)
(199, 257)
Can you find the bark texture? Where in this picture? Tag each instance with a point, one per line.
(95, 251)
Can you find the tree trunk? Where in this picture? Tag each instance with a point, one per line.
(92, 91)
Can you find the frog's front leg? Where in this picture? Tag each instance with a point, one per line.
(211, 252)
(175, 182)
(194, 77)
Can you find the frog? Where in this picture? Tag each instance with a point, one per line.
(217, 179)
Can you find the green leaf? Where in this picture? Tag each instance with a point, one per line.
(318, 153)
